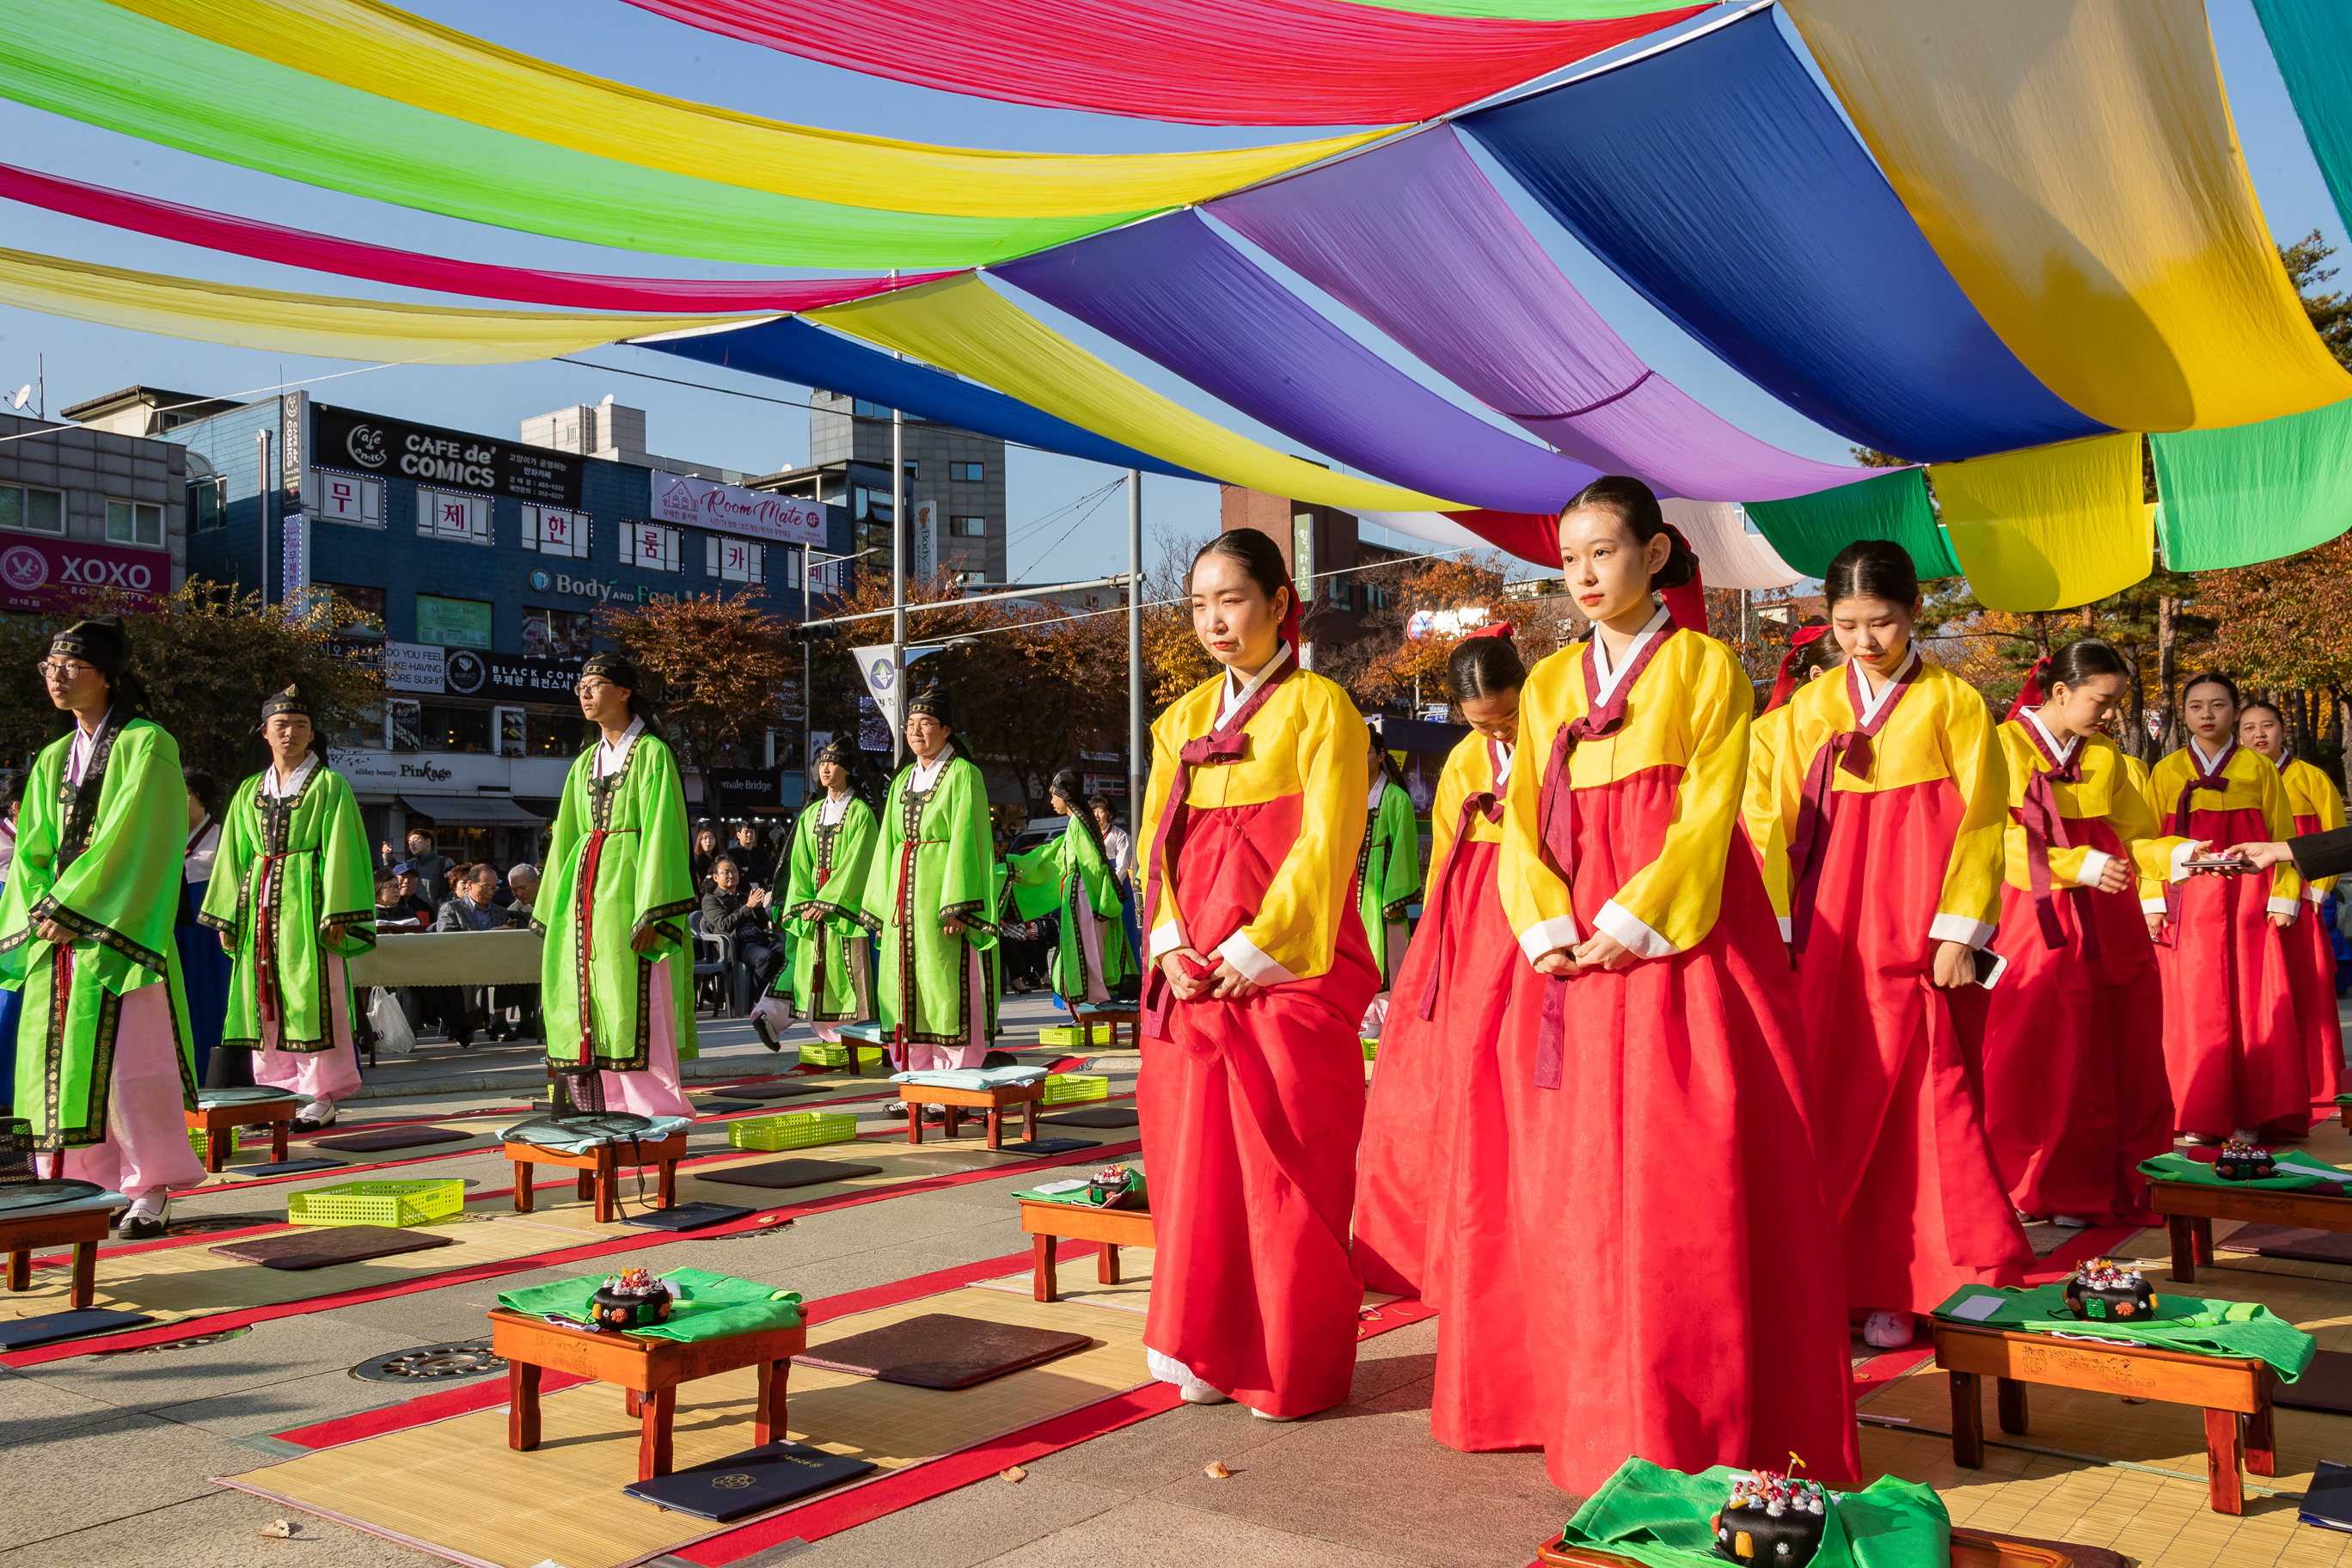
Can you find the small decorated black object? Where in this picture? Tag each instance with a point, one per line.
(2108, 1292)
(632, 1299)
(1113, 1187)
(2242, 1161)
(1771, 1520)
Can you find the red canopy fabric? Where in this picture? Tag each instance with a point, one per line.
(1202, 62)
(351, 258)
(1535, 536)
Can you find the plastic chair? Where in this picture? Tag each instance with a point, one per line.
(716, 972)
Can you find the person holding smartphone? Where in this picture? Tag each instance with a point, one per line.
(1892, 795)
(2073, 1059)
(2231, 1046)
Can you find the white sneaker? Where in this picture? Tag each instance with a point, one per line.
(1886, 1331)
(1270, 1415)
(1190, 1389)
(1195, 1391)
(2072, 1221)
(147, 1217)
(319, 1113)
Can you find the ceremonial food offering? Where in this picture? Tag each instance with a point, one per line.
(2242, 1161)
(2110, 1291)
(1771, 1520)
(1112, 1187)
(632, 1299)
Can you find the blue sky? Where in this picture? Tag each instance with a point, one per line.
(614, 39)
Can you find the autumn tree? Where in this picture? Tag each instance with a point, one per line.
(2284, 627)
(1384, 661)
(208, 657)
(721, 672)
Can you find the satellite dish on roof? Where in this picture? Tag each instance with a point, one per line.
(23, 396)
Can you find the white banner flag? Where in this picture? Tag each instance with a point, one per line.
(881, 673)
(730, 508)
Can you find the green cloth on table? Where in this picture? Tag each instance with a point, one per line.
(1663, 1517)
(1140, 1184)
(2181, 1168)
(2189, 1323)
(713, 1306)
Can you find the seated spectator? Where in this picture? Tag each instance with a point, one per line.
(728, 910)
(408, 894)
(393, 913)
(468, 907)
(514, 1009)
(705, 851)
(523, 879)
(463, 1010)
(758, 868)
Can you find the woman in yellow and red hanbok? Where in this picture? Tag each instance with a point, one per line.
(2317, 806)
(1679, 1270)
(1252, 1095)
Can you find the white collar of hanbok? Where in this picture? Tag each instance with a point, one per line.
(1611, 674)
(2051, 741)
(611, 754)
(1873, 700)
(1236, 693)
(928, 774)
(283, 789)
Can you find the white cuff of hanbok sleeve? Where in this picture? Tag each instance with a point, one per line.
(1547, 936)
(1959, 928)
(2286, 906)
(1626, 927)
(2316, 895)
(1787, 928)
(1256, 966)
(1166, 938)
(2181, 855)
(2153, 906)
(2094, 865)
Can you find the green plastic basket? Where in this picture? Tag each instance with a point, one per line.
(1076, 1035)
(196, 1139)
(792, 1130)
(1372, 1049)
(1069, 1087)
(400, 1204)
(866, 1061)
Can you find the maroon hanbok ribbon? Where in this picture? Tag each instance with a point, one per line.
(1228, 742)
(2045, 829)
(1556, 820)
(264, 940)
(1850, 751)
(1488, 805)
(2203, 778)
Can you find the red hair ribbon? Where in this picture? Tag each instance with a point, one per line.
(1785, 687)
(1687, 603)
(2033, 693)
(1503, 629)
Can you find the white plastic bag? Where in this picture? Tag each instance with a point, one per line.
(393, 1035)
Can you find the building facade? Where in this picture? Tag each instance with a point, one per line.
(954, 487)
(88, 509)
(1320, 547)
(477, 565)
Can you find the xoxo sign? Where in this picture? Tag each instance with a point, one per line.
(56, 574)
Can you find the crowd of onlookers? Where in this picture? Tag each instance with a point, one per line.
(739, 872)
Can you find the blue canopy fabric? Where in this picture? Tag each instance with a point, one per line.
(1718, 179)
(1175, 291)
(794, 350)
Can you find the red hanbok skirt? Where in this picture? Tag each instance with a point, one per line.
(1250, 1112)
(1675, 1256)
(1904, 1156)
(1433, 1177)
(2311, 969)
(2075, 1095)
(2231, 1048)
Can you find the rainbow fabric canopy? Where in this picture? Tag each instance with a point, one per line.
(2017, 242)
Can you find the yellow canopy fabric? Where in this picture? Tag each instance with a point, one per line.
(312, 324)
(2075, 165)
(2050, 527)
(964, 325)
(377, 50)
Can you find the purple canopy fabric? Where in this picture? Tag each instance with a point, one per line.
(1412, 237)
(1176, 292)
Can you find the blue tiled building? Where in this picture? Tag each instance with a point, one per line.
(480, 563)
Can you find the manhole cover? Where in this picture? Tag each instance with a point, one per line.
(187, 1344)
(432, 1364)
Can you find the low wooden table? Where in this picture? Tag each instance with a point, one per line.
(2190, 1209)
(600, 1171)
(214, 1122)
(1047, 1224)
(2227, 1387)
(863, 1038)
(650, 1371)
(81, 1230)
(994, 1101)
(1114, 1013)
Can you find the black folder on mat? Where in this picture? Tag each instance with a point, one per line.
(2328, 1503)
(747, 1482)
(20, 1333)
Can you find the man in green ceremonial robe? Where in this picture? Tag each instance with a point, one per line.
(292, 896)
(1072, 875)
(930, 894)
(831, 974)
(105, 1064)
(1388, 874)
(617, 978)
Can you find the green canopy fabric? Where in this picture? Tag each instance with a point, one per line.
(2254, 492)
(2189, 1323)
(1809, 531)
(1660, 1518)
(714, 1305)
(104, 66)
(2307, 39)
